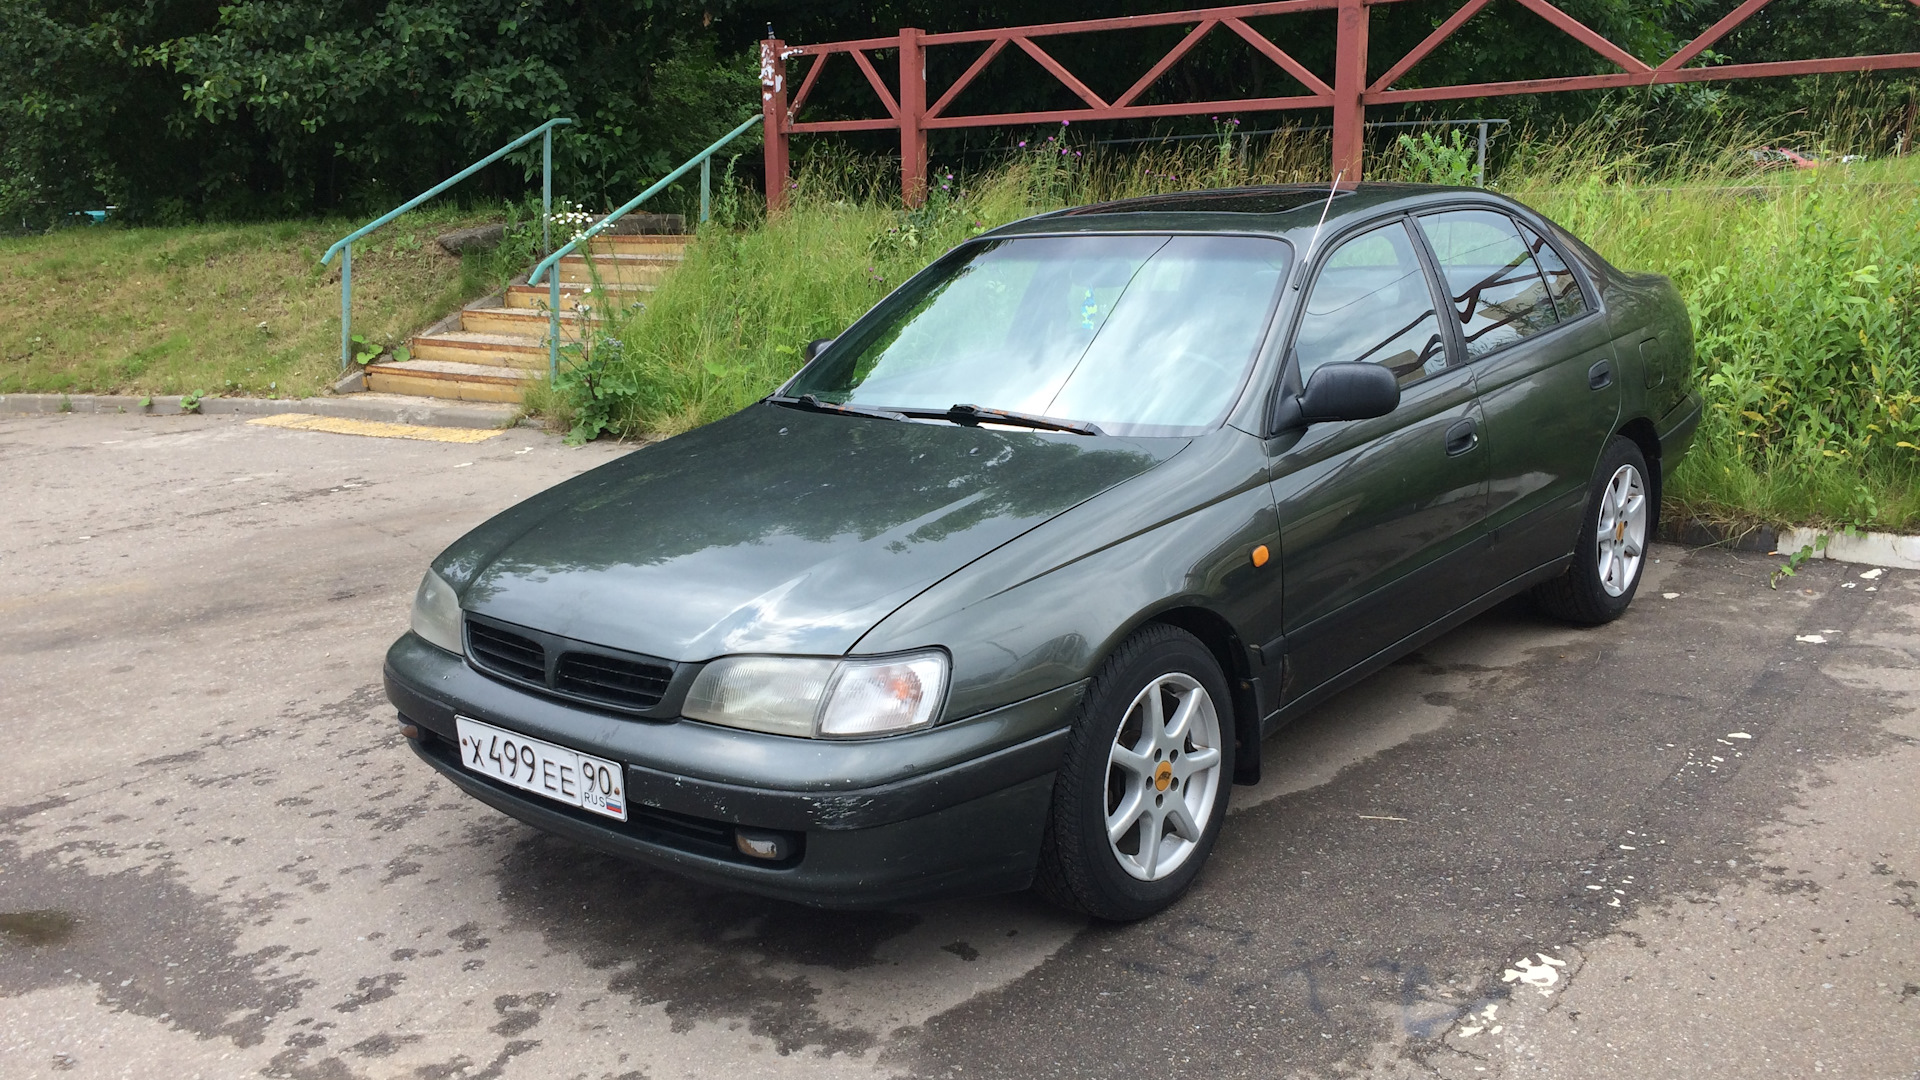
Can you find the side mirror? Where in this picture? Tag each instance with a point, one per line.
(1348, 390)
(814, 348)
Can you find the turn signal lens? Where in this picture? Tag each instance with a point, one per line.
(875, 697)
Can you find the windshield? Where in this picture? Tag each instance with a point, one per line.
(1140, 335)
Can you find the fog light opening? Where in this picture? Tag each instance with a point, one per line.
(771, 847)
(410, 731)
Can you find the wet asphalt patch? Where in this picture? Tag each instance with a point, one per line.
(703, 953)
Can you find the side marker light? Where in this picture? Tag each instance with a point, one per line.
(1260, 555)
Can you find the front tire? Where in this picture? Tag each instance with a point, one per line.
(1612, 549)
(1141, 795)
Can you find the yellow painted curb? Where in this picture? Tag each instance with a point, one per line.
(340, 425)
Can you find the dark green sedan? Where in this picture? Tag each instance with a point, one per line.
(1006, 587)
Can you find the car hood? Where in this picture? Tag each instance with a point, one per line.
(774, 530)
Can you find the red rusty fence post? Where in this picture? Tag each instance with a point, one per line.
(1349, 88)
(773, 105)
(913, 110)
(1348, 97)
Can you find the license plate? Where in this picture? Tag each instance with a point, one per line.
(560, 774)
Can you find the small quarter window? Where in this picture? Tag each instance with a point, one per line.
(1492, 279)
(1568, 300)
(1371, 303)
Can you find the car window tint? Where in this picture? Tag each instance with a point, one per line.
(1371, 303)
(1492, 280)
(1142, 335)
(1568, 300)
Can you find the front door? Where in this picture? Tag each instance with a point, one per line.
(1380, 520)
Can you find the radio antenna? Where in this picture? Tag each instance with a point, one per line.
(1315, 239)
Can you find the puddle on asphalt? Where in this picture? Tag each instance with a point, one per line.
(46, 927)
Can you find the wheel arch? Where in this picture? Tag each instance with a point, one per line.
(1640, 431)
(1220, 638)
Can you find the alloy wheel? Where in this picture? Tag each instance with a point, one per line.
(1621, 532)
(1163, 776)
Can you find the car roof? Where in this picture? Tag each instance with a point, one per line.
(1279, 209)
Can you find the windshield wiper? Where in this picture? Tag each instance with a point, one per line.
(975, 415)
(814, 404)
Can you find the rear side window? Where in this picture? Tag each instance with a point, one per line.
(1371, 303)
(1568, 300)
(1492, 280)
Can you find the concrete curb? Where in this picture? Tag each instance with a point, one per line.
(1891, 550)
(392, 408)
(1872, 549)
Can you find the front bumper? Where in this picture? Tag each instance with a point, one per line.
(957, 809)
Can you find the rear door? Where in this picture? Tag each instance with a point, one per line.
(1380, 519)
(1548, 380)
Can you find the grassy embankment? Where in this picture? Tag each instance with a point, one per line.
(1803, 288)
(216, 309)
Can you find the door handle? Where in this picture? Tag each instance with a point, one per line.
(1600, 375)
(1462, 437)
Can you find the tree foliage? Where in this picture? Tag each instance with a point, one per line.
(174, 109)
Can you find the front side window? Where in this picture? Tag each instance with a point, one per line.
(1492, 279)
(1141, 335)
(1371, 303)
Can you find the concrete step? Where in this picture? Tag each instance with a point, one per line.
(610, 293)
(496, 350)
(449, 380)
(522, 321)
(626, 268)
(641, 244)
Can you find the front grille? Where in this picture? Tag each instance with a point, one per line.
(626, 684)
(506, 653)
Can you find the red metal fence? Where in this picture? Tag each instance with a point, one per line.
(1348, 96)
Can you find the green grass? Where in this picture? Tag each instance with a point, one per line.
(215, 309)
(1803, 287)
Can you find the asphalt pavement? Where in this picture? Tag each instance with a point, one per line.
(1682, 845)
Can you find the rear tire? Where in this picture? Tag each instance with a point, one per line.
(1611, 554)
(1141, 795)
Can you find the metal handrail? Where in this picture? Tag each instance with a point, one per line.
(344, 245)
(546, 266)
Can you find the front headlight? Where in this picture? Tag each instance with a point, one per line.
(788, 695)
(436, 614)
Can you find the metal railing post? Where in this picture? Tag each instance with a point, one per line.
(1480, 165)
(706, 188)
(546, 192)
(346, 309)
(553, 326)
